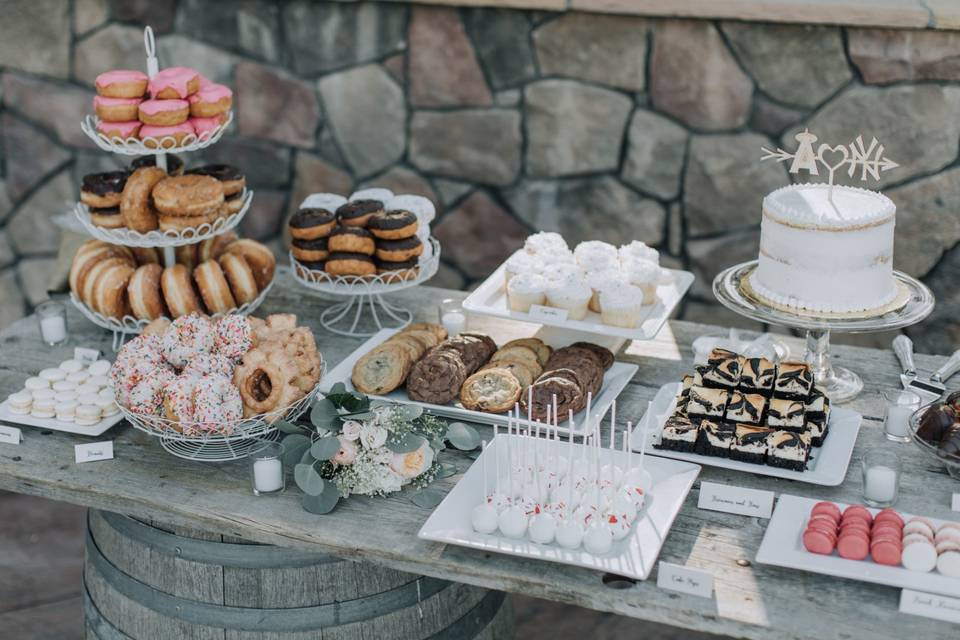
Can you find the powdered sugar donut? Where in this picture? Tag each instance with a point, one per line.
(186, 337)
(137, 358)
(215, 401)
(233, 337)
(208, 364)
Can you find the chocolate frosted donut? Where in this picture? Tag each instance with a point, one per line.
(358, 212)
(174, 164)
(231, 177)
(397, 250)
(436, 378)
(393, 225)
(542, 392)
(350, 264)
(103, 190)
(351, 240)
(310, 250)
(405, 270)
(309, 223)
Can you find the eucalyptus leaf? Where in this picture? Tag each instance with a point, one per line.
(408, 443)
(323, 503)
(360, 417)
(447, 470)
(337, 389)
(307, 457)
(354, 402)
(324, 414)
(325, 448)
(427, 499)
(463, 436)
(293, 448)
(308, 479)
(288, 427)
(411, 412)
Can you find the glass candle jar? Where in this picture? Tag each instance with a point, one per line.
(898, 407)
(881, 478)
(266, 470)
(52, 317)
(453, 317)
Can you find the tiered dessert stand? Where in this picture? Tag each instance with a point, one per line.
(842, 385)
(165, 240)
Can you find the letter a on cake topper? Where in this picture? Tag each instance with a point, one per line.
(855, 155)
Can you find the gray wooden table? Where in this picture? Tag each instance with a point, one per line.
(751, 600)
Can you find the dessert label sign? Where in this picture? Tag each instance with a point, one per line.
(956, 502)
(94, 452)
(694, 582)
(730, 499)
(10, 435)
(86, 355)
(538, 312)
(930, 605)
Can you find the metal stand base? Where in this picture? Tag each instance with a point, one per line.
(343, 317)
(839, 383)
(217, 450)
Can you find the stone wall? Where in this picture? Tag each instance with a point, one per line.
(599, 126)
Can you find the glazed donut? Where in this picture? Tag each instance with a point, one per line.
(110, 291)
(187, 337)
(90, 253)
(210, 101)
(350, 264)
(351, 240)
(213, 287)
(233, 337)
(231, 178)
(121, 83)
(188, 196)
(393, 225)
(88, 292)
(264, 380)
(143, 291)
(155, 137)
(399, 250)
(122, 130)
(144, 394)
(177, 286)
(107, 218)
(115, 109)
(103, 190)
(163, 113)
(186, 254)
(310, 224)
(212, 248)
(174, 82)
(215, 400)
(180, 223)
(146, 255)
(310, 250)
(156, 327)
(174, 164)
(258, 256)
(358, 212)
(135, 207)
(242, 282)
(206, 364)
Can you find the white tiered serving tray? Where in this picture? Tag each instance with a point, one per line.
(490, 299)
(827, 466)
(139, 146)
(782, 546)
(634, 556)
(53, 424)
(614, 381)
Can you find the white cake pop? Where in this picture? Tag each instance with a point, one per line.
(611, 473)
(637, 480)
(498, 499)
(569, 530)
(623, 502)
(484, 515)
(512, 520)
(597, 538)
(543, 526)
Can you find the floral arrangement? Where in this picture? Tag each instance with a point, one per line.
(353, 445)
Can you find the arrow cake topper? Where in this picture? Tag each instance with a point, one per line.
(855, 155)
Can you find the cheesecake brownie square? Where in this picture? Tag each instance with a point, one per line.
(715, 438)
(698, 373)
(794, 380)
(723, 369)
(747, 408)
(818, 406)
(786, 414)
(788, 450)
(817, 432)
(684, 394)
(750, 443)
(758, 376)
(678, 434)
(705, 402)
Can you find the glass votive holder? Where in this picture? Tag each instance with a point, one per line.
(52, 317)
(266, 470)
(881, 478)
(898, 407)
(452, 316)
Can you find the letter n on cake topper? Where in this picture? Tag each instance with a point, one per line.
(869, 160)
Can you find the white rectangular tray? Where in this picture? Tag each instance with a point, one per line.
(634, 556)
(490, 299)
(614, 381)
(782, 546)
(827, 466)
(53, 424)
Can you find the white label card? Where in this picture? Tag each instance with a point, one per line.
(94, 451)
(739, 500)
(930, 605)
(956, 502)
(693, 582)
(86, 355)
(552, 314)
(10, 435)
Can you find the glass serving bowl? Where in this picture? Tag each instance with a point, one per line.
(951, 462)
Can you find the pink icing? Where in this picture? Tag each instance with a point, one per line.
(122, 129)
(102, 101)
(205, 81)
(211, 93)
(176, 78)
(152, 131)
(205, 126)
(120, 75)
(153, 107)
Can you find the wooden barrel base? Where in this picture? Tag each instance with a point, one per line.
(148, 581)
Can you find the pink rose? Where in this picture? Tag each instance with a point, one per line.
(351, 429)
(410, 465)
(347, 453)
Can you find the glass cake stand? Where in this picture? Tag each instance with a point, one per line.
(840, 384)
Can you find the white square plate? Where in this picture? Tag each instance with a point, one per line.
(634, 556)
(782, 546)
(827, 465)
(55, 425)
(614, 381)
(490, 299)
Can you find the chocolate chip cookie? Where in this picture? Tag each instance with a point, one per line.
(492, 391)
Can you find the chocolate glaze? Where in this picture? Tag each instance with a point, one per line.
(396, 219)
(387, 265)
(222, 172)
(105, 183)
(317, 243)
(359, 208)
(105, 211)
(174, 163)
(399, 245)
(306, 218)
(362, 257)
(351, 231)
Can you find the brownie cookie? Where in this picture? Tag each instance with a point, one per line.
(436, 378)
(472, 351)
(539, 397)
(103, 190)
(489, 345)
(397, 250)
(310, 250)
(174, 164)
(351, 240)
(310, 224)
(358, 212)
(491, 391)
(605, 355)
(393, 225)
(349, 264)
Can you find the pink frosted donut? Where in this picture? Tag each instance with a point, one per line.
(216, 401)
(116, 109)
(137, 358)
(163, 113)
(209, 364)
(175, 135)
(121, 83)
(234, 337)
(174, 82)
(211, 100)
(122, 130)
(186, 337)
(206, 127)
(144, 395)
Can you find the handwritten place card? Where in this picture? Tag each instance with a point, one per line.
(956, 502)
(694, 582)
(549, 314)
(94, 452)
(930, 605)
(10, 435)
(739, 500)
(86, 355)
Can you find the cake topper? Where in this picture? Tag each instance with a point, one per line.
(855, 155)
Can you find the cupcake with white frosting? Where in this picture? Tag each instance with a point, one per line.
(524, 290)
(573, 296)
(600, 280)
(562, 273)
(622, 306)
(645, 275)
(594, 255)
(637, 250)
(521, 262)
(544, 243)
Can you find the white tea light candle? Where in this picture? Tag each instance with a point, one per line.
(900, 405)
(266, 470)
(881, 478)
(452, 317)
(53, 323)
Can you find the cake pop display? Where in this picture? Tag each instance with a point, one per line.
(498, 499)
(618, 520)
(637, 481)
(623, 501)
(512, 520)
(569, 529)
(598, 537)
(543, 526)
(611, 473)
(484, 515)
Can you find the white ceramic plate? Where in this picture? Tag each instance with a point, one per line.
(490, 299)
(614, 381)
(827, 466)
(53, 424)
(782, 546)
(634, 556)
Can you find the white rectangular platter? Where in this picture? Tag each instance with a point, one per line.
(634, 556)
(827, 466)
(53, 424)
(782, 546)
(490, 299)
(614, 381)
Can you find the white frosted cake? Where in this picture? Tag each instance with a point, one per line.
(826, 257)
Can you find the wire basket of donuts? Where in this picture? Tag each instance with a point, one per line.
(208, 379)
(147, 207)
(123, 288)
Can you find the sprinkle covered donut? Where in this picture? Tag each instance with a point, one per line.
(215, 400)
(186, 337)
(233, 337)
(144, 395)
(137, 358)
(209, 364)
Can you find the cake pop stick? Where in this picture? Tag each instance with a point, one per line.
(543, 526)
(484, 515)
(598, 538)
(499, 500)
(512, 520)
(569, 530)
(623, 501)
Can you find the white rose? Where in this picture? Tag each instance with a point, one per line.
(372, 436)
(351, 430)
(410, 465)
(389, 481)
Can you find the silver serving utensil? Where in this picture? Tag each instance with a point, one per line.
(932, 388)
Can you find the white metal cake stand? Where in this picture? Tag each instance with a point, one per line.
(840, 384)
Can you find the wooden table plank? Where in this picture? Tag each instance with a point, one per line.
(751, 600)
